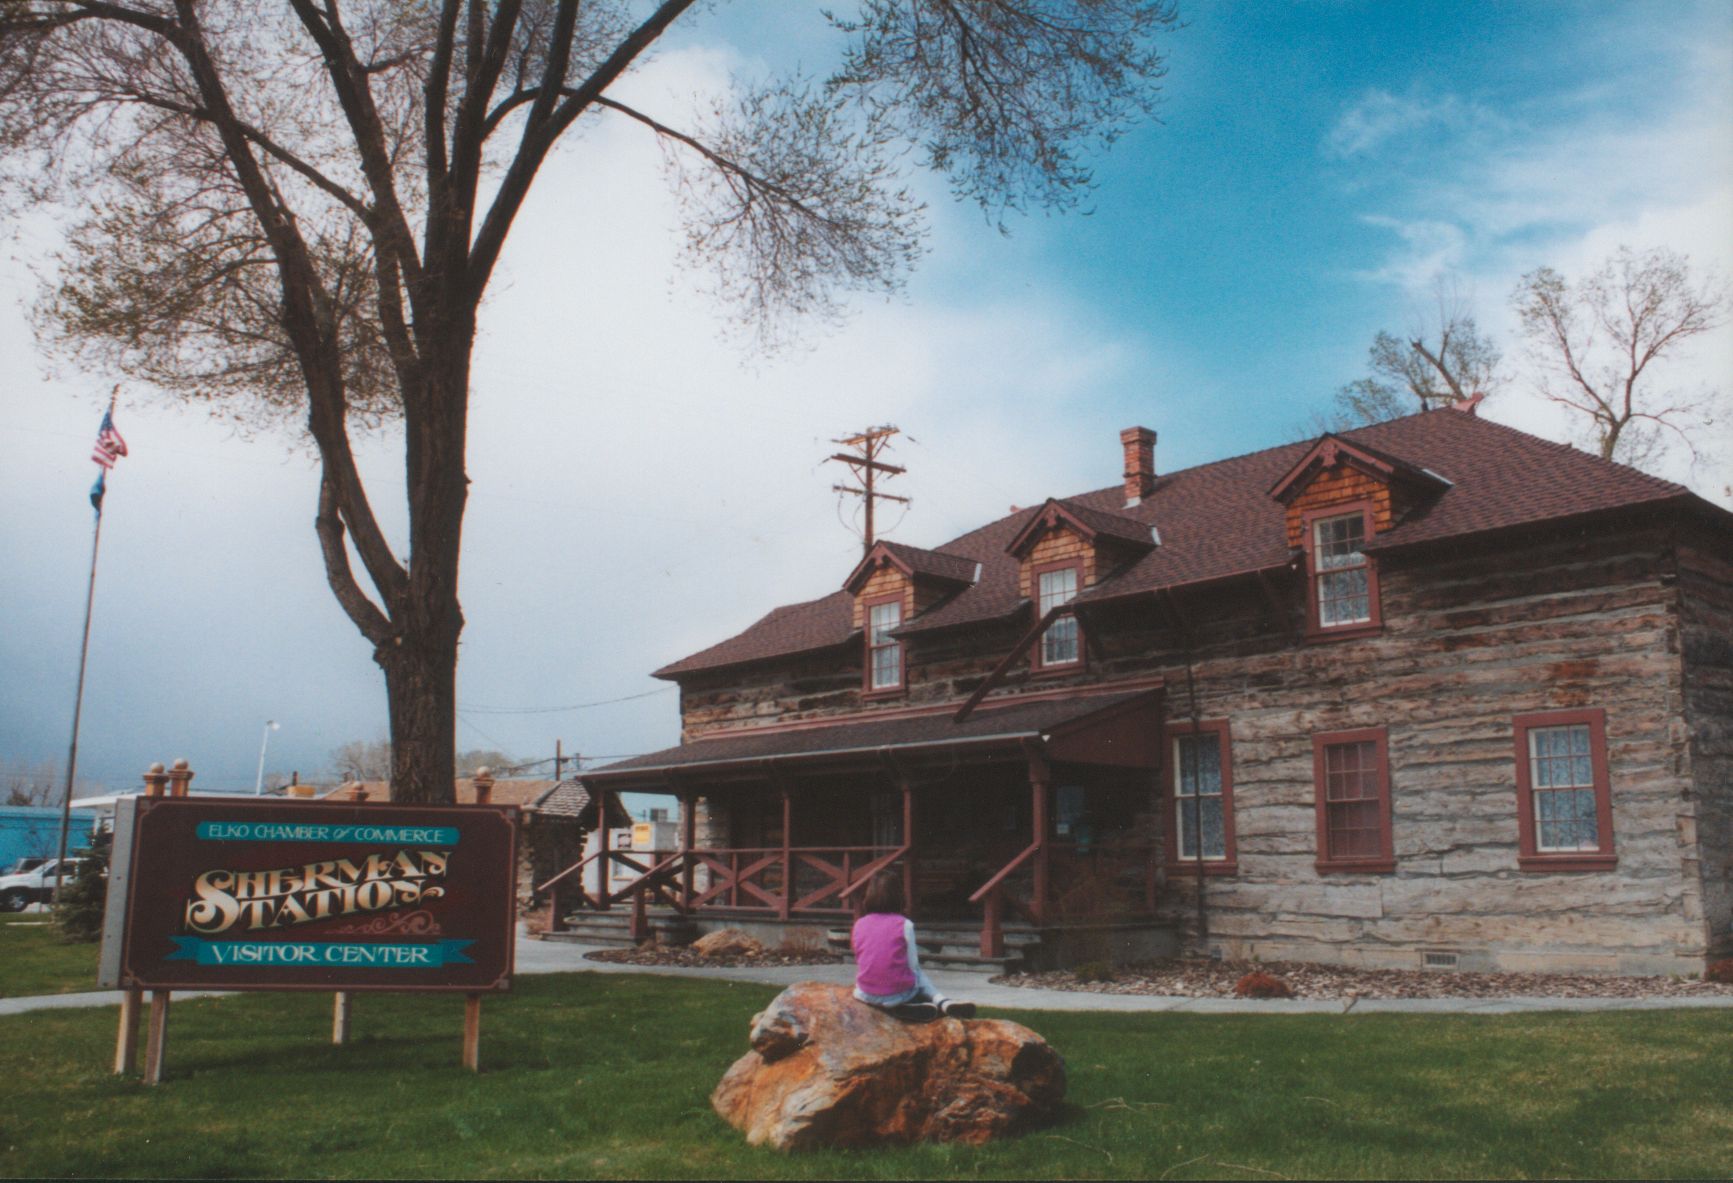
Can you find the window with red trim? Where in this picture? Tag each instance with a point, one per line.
(1200, 798)
(884, 664)
(1062, 643)
(1352, 774)
(1564, 796)
(1341, 582)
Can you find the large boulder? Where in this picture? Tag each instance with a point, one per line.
(826, 1070)
(728, 942)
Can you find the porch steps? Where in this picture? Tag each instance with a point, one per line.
(611, 929)
(614, 929)
(957, 947)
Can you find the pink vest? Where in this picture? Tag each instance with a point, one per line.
(881, 955)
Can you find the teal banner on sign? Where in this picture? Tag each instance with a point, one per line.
(321, 954)
(304, 832)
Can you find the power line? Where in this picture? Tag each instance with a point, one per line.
(866, 465)
(581, 706)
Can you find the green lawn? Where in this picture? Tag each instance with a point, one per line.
(34, 959)
(609, 1076)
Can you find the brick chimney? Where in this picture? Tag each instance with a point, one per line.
(1139, 445)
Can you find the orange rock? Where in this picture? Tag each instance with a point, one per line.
(826, 1070)
(728, 942)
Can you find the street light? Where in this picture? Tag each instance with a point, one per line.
(259, 784)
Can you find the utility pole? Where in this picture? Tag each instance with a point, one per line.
(559, 760)
(866, 465)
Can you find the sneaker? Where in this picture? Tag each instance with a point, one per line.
(916, 1012)
(957, 1010)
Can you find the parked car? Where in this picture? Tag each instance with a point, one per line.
(35, 886)
(28, 863)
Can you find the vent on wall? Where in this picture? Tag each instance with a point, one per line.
(1435, 960)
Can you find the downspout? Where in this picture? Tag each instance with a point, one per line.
(1186, 652)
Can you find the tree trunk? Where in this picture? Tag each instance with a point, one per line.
(421, 696)
(420, 660)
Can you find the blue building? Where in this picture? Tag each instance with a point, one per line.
(28, 831)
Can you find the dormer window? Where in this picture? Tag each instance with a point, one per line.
(1337, 549)
(1061, 644)
(1342, 591)
(884, 651)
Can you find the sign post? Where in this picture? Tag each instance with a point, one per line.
(251, 894)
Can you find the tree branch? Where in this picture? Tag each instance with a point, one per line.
(389, 223)
(540, 138)
(329, 526)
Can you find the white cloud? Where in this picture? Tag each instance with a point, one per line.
(1378, 117)
(641, 489)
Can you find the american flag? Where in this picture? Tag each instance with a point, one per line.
(109, 446)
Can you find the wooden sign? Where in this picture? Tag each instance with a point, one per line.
(294, 895)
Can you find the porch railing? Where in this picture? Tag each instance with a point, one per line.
(1113, 866)
(775, 880)
(823, 880)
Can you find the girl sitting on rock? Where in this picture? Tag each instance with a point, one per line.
(888, 971)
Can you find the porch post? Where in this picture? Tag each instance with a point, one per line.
(688, 840)
(1040, 782)
(602, 860)
(787, 905)
(909, 845)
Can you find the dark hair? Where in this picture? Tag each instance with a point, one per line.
(884, 892)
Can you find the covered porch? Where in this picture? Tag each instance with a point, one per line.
(1036, 807)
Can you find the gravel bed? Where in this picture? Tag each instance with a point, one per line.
(1203, 978)
(682, 956)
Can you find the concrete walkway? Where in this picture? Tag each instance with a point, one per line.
(548, 957)
(535, 956)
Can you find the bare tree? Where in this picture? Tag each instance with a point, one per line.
(1594, 343)
(37, 785)
(300, 204)
(362, 759)
(1439, 361)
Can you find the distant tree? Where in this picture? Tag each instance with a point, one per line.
(362, 759)
(496, 762)
(1434, 365)
(38, 785)
(301, 204)
(1596, 344)
(78, 915)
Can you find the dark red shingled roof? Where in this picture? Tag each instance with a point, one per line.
(868, 735)
(1218, 520)
(917, 562)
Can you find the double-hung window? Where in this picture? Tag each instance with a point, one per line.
(1564, 799)
(884, 651)
(1062, 643)
(1352, 777)
(1343, 592)
(1201, 799)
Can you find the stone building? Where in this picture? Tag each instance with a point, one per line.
(1431, 692)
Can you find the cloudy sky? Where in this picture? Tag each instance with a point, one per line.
(645, 486)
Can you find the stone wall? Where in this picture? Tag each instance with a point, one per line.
(1706, 650)
(1472, 636)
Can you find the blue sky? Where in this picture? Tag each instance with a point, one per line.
(645, 487)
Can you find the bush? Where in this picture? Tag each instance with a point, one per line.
(1719, 971)
(1094, 971)
(1259, 984)
(79, 913)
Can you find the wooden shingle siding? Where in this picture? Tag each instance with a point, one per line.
(886, 581)
(1341, 485)
(1058, 545)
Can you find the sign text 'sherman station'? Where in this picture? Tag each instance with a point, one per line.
(293, 895)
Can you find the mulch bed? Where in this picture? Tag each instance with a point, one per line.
(682, 956)
(1203, 978)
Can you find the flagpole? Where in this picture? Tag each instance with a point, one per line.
(78, 699)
